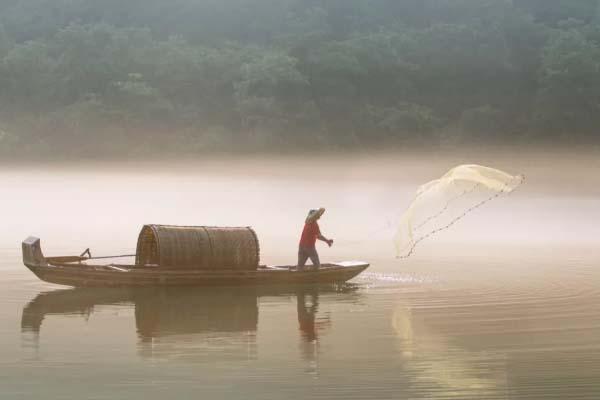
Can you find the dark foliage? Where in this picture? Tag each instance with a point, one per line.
(140, 76)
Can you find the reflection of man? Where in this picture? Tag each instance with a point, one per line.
(308, 305)
(308, 330)
(310, 234)
(307, 314)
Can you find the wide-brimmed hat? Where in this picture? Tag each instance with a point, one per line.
(312, 214)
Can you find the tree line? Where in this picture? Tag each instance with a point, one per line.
(145, 76)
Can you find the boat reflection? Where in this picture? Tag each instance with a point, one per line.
(188, 321)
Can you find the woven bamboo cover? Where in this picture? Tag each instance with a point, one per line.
(198, 247)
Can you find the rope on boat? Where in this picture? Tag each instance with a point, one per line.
(89, 255)
(104, 257)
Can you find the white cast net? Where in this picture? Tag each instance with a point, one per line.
(439, 204)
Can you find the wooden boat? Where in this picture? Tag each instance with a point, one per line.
(183, 256)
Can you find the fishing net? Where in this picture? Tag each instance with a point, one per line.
(441, 203)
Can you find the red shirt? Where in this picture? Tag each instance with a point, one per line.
(309, 235)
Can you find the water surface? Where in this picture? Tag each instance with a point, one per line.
(503, 306)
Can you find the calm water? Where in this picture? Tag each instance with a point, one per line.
(504, 306)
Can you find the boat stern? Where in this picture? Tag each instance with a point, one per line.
(32, 252)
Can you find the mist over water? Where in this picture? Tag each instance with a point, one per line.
(503, 305)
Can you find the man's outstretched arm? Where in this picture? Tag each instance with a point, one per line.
(324, 239)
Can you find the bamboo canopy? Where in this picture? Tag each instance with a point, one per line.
(198, 247)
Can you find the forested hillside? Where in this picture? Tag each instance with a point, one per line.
(135, 77)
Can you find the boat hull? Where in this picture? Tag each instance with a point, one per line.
(77, 276)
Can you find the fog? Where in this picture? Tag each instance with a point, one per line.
(103, 205)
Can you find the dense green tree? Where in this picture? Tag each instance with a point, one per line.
(90, 58)
(30, 76)
(271, 96)
(569, 97)
(5, 42)
(554, 11)
(194, 75)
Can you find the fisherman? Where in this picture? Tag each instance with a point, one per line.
(310, 234)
